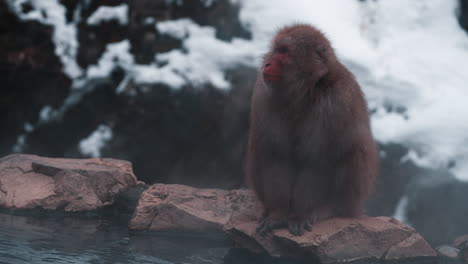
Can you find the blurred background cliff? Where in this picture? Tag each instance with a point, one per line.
(166, 84)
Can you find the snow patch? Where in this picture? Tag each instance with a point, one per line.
(208, 3)
(20, 142)
(52, 13)
(116, 55)
(400, 211)
(108, 13)
(93, 144)
(46, 114)
(28, 127)
(204, 58)
(195, 65)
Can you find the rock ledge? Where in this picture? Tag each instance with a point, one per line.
(236, 212)
(72, 185)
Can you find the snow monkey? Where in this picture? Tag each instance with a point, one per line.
(311, 155)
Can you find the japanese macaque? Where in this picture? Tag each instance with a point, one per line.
(311, 155)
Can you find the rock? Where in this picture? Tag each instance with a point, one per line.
(179, 207)
(342, 239)
(463, 14)
(71, 185)
(236, 212)
(126, 201)
(462, 244)
(448, 251)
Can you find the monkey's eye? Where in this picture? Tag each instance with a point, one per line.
(282, 49)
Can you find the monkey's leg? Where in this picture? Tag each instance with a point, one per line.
(277, 196)
(308, 201)
(354, 180)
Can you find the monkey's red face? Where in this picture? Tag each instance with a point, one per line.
(297, 60)
(273, 67)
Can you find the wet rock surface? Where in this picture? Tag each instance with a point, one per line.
(461, 243)
(448, 251)
(71, 185)
(236, 212)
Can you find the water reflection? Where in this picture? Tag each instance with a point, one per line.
(49, 239)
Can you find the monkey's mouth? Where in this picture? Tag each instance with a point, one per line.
(271, 77)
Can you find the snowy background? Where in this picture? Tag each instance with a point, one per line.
(166, 85)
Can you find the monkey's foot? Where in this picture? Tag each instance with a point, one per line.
(269, 223)
(296, 227)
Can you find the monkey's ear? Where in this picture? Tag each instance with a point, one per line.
(321, 63)
(322, 51)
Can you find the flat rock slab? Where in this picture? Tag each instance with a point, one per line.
(340, 239)
(180, 207)
(237, 212)
(72, 185)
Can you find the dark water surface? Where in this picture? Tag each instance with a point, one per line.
(43, 238)
(47, 239)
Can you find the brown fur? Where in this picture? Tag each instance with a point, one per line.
(311, 155)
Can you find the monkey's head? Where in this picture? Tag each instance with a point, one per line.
(300, 55)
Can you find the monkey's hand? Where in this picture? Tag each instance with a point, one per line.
(297, 226)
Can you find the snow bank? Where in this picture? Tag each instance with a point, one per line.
(412, 55)
(203, 60)
(206, 57)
